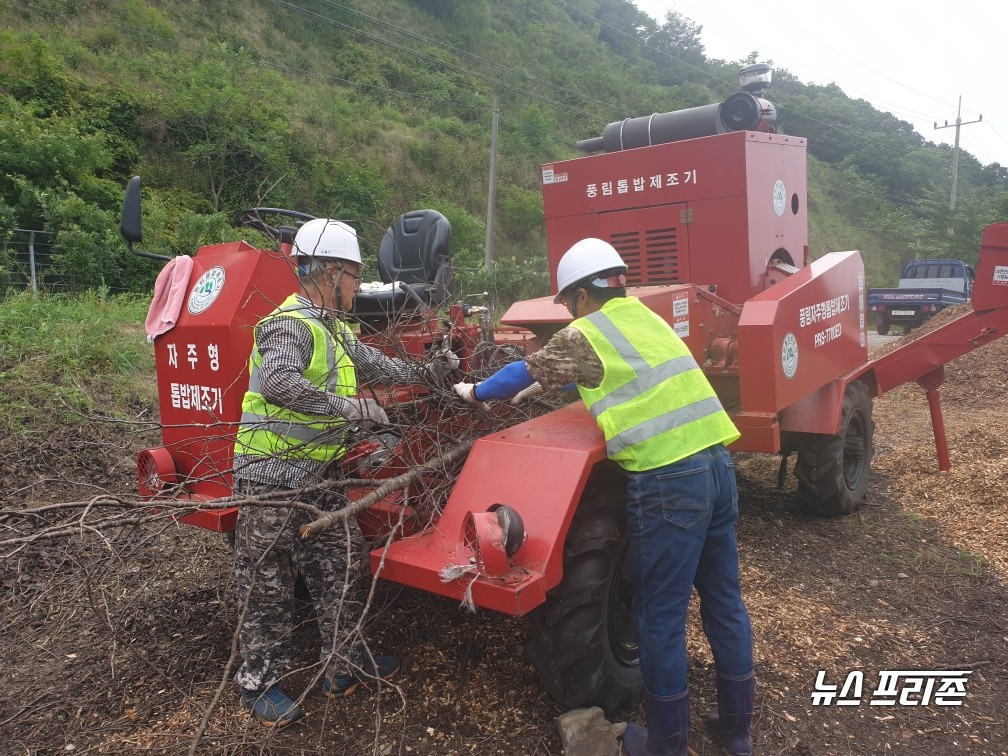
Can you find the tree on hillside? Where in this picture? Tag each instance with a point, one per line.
(41, 155)
(230, 131)
(956, 232)
(678, 37)
(623, 27)
(470, 18)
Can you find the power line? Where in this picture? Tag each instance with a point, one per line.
(460, 52)
(906, 112)
(409, 51)
(446, 102)
(805, 33)
(247, 59)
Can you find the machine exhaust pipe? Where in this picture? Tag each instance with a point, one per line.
(743, 111)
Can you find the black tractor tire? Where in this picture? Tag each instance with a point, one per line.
(882, 328)
(833, 471)
(583, 640)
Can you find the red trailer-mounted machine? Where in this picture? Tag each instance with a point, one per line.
(708, 208)
(202, 360)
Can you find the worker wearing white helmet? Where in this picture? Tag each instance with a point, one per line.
(297, 416)
(329, 258)
(664, 425)
(588, 260)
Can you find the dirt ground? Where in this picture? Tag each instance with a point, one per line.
(120, 646)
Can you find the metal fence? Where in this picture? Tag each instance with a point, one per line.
(27, 263)
(27, 256)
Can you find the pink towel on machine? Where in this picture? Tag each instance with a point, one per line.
(169, 292)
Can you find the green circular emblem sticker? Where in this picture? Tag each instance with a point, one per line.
(779, 198)
(206, 290)
(789, 355)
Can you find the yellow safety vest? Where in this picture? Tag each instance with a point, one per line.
(654, 405)
(269, 430)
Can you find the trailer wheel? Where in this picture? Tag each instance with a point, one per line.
(832, 471)
(882, 327)
(583, 640)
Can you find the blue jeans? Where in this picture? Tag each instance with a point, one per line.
(681, 520)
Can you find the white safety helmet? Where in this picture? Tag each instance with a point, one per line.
(323, 238)
(584, 258)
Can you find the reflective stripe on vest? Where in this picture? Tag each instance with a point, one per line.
(654, 405)
(267, 429)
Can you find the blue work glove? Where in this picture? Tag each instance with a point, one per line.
(506, 382)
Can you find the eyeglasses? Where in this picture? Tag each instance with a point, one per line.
(355, 276)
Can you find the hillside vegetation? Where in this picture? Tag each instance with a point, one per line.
(363, 110)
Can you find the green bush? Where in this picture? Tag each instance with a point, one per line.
(521, 211)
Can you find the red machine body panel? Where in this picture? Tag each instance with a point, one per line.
(990, 288)
(539, 468)
(708, 211)
(202, 365)
(799, 336)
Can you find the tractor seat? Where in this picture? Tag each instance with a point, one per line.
(416, 251)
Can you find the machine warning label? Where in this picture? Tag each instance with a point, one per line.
(789, 355)
(1001, 275)
(680, 315)
(205, 292)
(863, 338)
(550, 177)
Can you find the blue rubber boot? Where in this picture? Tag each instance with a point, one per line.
(731, 721)
(383, 667)
(668, 727)
(272, 707)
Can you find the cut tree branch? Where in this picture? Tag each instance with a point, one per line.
(392, 484)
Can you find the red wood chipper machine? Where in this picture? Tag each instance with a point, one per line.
(707, 206)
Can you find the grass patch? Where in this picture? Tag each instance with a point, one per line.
(66, 356)
(972, 564)
(909, 556)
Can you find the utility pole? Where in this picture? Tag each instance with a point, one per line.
(489, 262)
(955, 152)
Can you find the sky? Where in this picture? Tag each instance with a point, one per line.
(911, 59)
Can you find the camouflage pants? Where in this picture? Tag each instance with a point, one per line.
(269, 554)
